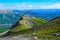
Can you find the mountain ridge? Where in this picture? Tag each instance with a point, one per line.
(22, 25)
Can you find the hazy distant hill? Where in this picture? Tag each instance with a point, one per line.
(7, 19)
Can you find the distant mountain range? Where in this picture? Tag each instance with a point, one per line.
(46, 14)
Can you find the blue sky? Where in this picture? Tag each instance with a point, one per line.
(29, 4)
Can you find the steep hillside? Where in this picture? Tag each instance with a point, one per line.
(50, 29)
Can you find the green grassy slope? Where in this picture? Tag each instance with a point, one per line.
(38, 22)
(48, 32)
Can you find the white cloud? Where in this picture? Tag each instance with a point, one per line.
(25, 6)
(30, 6)
(53, 6)
(56, 5)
